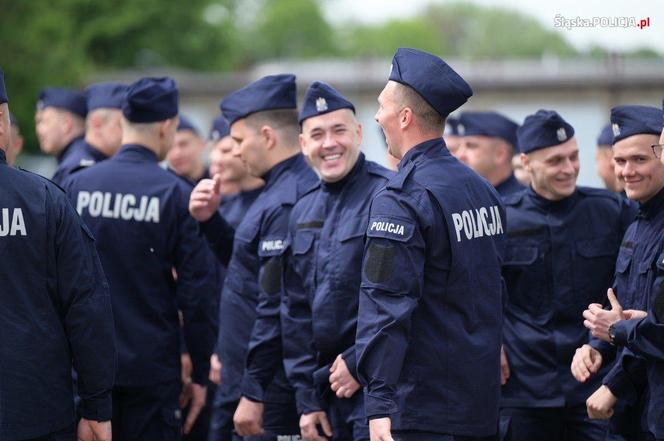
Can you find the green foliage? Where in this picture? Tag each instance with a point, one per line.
(62, 42)
(290, 28)
(382, 40)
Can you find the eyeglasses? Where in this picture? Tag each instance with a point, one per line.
(657, 149)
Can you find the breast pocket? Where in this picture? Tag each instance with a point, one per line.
(304, 257)
(348, 256)
(527, 281)
(622, 275)
(593, 267)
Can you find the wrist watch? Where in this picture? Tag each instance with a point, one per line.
(612, 334)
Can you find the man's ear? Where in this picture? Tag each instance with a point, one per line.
(525, 162)
(406, 117)
(269, 135)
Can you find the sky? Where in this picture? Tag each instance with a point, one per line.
(612, 38)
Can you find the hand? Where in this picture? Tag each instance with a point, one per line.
(632, 314)
(187, 368)
(600, 404)
(89, 430)
(309, 423)
(341, 380)
(248, 418)
(380, 429)
(205, 198)
(586, 362)
(599, 320)
(215, 369)
(198, 395)
(504, 366)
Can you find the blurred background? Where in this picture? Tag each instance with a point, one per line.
(577, 57)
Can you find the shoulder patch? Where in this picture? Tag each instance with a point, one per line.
(390, 228)
(273, 246)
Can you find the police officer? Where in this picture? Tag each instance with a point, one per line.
(428, 332)
(60, 126)
(322, 268)
(604, 159)
(622, 393)
(138, 212)
(103, 124)
(55, 310)
(185, 158)
(488, 143)
(263, 123)
(234, 190)
(225, 199)
(561, 249)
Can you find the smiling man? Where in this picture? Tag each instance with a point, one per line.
(561, 249)
(637, 279)
(322, 269)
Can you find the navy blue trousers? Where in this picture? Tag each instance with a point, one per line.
(550, 424)
(147, 413)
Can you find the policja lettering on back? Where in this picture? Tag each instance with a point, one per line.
(474, 223)
(118, 206)
(17, 224)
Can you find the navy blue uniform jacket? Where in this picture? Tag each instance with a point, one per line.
(321, 281)
(560, 258)
(430, 314)
(253, 275)
(55, 308)
(139, 214)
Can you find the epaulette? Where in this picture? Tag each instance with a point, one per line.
(397, 181)
(598, 192)
(83, 164)
(378, 170)
(41, 177)
(514, 198)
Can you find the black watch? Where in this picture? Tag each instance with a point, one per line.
(612, 334)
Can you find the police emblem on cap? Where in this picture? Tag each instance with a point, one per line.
(321, 104)
(461, 129)
(216, 135)
(561, 134)
(40, 105)
(616, 129)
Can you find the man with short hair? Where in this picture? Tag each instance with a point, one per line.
(60, 126)
(562, 242)
(622, 395)
(488, 143)
(185, 158)
(103, 124)
(263, 123)
(138, 213)
(604, 159)
(55, 309)
(430, 312)
(321, 276)
(639, 333)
